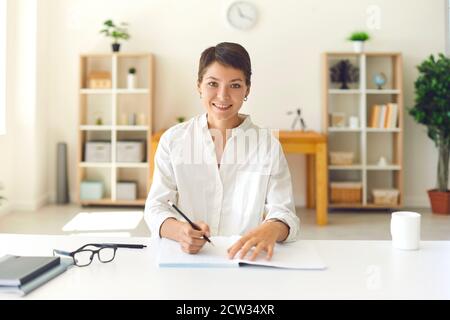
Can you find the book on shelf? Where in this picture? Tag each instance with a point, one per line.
(384, 116)
(391, 121)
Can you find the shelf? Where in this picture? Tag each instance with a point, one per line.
(386, 167)
(382, 91)
(112, 91)
(115, 105)
(369, 144)
(143, 165)
(349, 167)
(132, 91)
(95, 128)
(383, 130)
(343, 129)
(95, 164)
(96, 91)
(344, 91)
(131, 128)
(361, 206)
(106, 202)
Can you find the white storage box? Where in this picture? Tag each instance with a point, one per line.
(91, 190)
(130, 151)
(126, 190)
(97, 151)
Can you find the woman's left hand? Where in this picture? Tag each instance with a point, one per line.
(263, 238)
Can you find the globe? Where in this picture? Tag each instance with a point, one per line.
(379, 79)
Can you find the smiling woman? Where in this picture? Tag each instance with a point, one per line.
(227, 174)
(2, 67)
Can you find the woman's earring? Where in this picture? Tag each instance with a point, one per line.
(245, 99)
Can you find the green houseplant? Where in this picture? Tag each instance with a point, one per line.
(358, 38)
(131, 78)
(432, 109)
(116, 32)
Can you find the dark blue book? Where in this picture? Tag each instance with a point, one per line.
(39, 280)
(18, 270)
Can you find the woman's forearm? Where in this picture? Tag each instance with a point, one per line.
(170, 229)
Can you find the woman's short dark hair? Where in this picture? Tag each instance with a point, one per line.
(228, 54)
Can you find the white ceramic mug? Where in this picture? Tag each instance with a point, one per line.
(405, 230)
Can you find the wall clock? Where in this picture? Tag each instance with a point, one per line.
(242, 15)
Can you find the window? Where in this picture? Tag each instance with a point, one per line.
(2, 66)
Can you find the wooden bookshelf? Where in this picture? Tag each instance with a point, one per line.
(368, 144)
(113, 106)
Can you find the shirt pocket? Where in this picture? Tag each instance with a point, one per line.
(249, 198)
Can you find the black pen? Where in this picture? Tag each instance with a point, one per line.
(193, 225)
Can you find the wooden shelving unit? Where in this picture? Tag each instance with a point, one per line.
(113, 105)
(368, 144)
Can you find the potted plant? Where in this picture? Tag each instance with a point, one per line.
(181, 119)
(131, 80)
(358, 38)
(115, 32)
(432, 109)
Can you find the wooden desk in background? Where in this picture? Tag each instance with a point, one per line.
(311, 143)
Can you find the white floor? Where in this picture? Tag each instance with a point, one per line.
(343, 225)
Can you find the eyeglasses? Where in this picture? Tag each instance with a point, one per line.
(84, 255)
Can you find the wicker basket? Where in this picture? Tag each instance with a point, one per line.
(385, 196)
(341, 158)
(346, 192)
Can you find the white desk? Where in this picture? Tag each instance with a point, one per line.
(356, 270)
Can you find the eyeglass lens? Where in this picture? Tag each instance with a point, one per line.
(85, 257)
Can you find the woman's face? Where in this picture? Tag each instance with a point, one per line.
(222, 91)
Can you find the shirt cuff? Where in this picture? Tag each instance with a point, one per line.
(155, 221)
(288, 220)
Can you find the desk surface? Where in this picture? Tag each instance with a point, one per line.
(356, 270)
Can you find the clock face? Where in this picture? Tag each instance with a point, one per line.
(242, 15)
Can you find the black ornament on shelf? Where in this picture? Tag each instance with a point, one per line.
(344, 72)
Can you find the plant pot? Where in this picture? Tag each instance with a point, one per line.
(115, 47)
(440, 201)
(131, 81)
(358, 46)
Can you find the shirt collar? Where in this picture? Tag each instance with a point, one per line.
(242, 127)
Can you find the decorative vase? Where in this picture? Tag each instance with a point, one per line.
(358, 46)
(131, 81)
(115, 47)
(440, 201)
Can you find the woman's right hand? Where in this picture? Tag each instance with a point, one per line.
(191, 240)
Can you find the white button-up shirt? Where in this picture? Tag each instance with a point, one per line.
(252, 184)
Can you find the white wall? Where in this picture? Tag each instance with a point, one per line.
(285, 47)
(23, 161)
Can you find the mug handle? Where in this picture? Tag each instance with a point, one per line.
(392, 227)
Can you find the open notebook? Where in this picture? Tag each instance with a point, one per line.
(297, 255)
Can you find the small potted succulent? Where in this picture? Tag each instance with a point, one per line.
(359, 38)
(432, 109)
(131, 79)
(116, 32)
